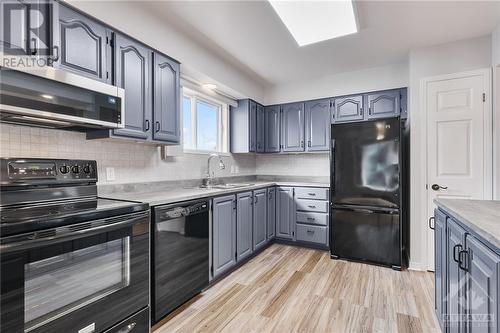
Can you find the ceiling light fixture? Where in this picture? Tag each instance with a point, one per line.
(315, 21)
(209, 86)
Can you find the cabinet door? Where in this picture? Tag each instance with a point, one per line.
(272, 129)
(455, 281)
(382, 105)
(166, 104)
(259, 218)
(224, 233)
(252, 126)
(483, 287)
(80, 44)
(292, 127)
(260, 129)
(440, 266)
(285, 213)
(271, 213)
(348, 109)
(244, 219)
(133, 73)
(25, 29)
(318, 125)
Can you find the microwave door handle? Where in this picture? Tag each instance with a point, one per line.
(66, 234)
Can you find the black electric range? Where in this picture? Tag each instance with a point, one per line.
(70, 261)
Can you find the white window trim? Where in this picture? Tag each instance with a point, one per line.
(222, 121)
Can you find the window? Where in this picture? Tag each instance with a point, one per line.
(205, 123)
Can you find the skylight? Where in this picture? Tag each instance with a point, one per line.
(315, 21)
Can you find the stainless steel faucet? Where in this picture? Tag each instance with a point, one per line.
(207, 182)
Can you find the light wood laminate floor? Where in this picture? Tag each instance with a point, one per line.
(292, 289)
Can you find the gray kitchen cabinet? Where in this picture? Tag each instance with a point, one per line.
(224, 233)
(440, 266)
(133, 73)
(483, 284)
(259, 218)
(80, 44)
(22, 32)
(455, 278)
(271, 213)
(317, 120)
(383, 104)
(260, 145)
(292, 127)
(166, 102)
(347, 109)
(243, 124)
(244, 221)
(285, 213)
(272, 129)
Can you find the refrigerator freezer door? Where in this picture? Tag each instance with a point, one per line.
(366, 234)
(365, 163)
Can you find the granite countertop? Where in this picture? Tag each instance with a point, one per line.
(481, 216)
(157, 195)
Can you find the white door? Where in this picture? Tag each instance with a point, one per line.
(459, 140)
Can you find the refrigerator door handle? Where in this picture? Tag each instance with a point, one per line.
(366, 210)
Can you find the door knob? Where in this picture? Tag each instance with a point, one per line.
(437, 187)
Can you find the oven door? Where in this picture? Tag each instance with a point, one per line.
(79, 278)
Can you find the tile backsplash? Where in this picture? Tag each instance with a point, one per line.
(137, 162)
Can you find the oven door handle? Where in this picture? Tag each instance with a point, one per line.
(69, 232)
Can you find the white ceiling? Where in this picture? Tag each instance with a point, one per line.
(250, 34)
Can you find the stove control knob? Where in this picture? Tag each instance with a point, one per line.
(75, 169)
(64, 168)
(86, 168)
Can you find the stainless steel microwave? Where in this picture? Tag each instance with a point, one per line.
(50, 97)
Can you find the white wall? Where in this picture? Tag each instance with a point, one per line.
(133, 162)
(378, 78)
(442, 59)
(495, 46)
(495, 62)
(293, 165)
(132, 18)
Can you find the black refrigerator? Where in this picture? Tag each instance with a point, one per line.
(369, 186)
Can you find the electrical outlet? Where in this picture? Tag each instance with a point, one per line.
(110, 174)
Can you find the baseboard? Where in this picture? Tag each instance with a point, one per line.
(417, 266)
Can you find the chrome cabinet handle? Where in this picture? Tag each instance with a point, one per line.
(147, 124)
(310, 231)
(312, 194)
(128, 328)
(309, 143)
(311, 219)
(33, 46)
(430, 224)
(55, 55)
(464, 261)
(311, 206)
(457, 246)
(302, 143)
(157, 126)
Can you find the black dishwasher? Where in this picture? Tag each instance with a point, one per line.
(180, 263)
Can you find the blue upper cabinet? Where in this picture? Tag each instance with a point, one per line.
(347, 109)
(81, 45)
(244, 122)
(292, 127)
(133, 73)
(317, 121)
(383, 104)
(260, 145)
(166, 102)
(272, 129)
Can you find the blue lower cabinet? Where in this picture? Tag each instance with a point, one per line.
(244, 221)
(271, 213)
(259, 218)
(224, 233)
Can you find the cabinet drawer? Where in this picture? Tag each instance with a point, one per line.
(312, 218)
(317, 193)
(312, 205)
(312, 234)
